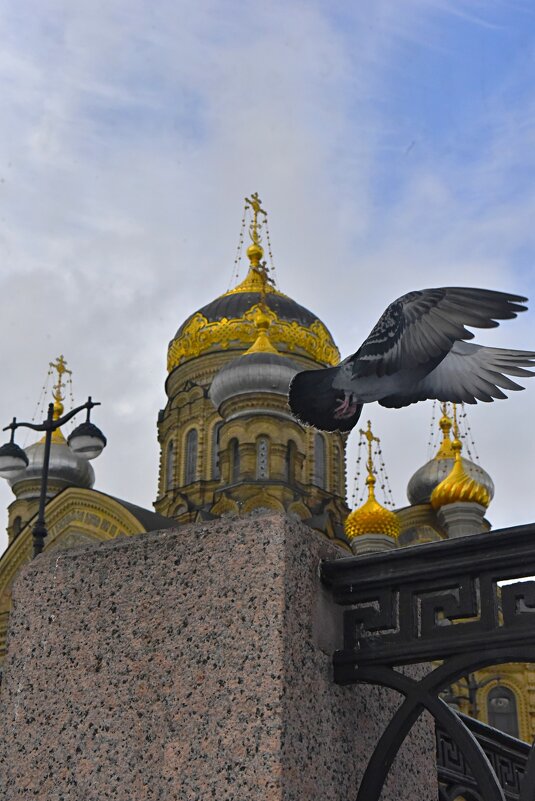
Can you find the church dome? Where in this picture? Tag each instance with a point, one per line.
(253, 373)
(66, 469)
(431, 474)
(372, 517)
(458, 486)
(260, 369)
(228, 322)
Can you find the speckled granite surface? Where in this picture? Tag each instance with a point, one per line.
(189, 665)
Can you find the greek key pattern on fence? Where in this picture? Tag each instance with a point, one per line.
(433, 602)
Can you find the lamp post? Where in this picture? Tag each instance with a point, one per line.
(86, 440)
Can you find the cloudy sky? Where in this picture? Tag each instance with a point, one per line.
(392, 142)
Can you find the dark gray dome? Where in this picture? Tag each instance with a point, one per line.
(253, 373)
(66, 469)
(424, 481)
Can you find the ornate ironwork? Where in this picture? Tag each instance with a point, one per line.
(507, 755)
(440, 601)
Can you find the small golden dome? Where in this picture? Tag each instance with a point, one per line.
(426, 478)
(371, 517)
(458, 486)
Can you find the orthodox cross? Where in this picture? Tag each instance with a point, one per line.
(256, 204)
(60, 365)
(371, 439)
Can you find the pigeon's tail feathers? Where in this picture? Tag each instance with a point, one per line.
(468, 374)
(313, 400)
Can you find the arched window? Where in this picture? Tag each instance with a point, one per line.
(262, 457)
(291, 461)
(216, 472)
(234, 453)
(170, 465)
(17, 526)
(191, 456)
(319, 461)
(501, 710)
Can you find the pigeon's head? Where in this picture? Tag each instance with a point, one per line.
(313, 401)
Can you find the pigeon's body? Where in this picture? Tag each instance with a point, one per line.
(417, 351)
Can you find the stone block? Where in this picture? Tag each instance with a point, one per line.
(188, 665)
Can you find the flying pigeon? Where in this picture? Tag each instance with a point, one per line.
(417, 351)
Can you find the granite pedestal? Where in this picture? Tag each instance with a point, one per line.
(188, 665)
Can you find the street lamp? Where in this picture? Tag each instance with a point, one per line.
(86, 440)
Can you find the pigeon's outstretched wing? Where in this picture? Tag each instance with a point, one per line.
(416, 351)
(419, 329)
(469, 373)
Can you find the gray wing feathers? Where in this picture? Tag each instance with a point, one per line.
(420, 328)
(467, 374)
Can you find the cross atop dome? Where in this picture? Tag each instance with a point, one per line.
(258, 279)
(58, 394)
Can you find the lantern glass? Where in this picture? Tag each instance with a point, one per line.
(12, 460)
(87, 441)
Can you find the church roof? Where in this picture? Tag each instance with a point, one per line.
(151, 521)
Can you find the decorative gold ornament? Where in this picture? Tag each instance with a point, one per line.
(262, 343)
(458, 486)
(199, 336)
(256, 281)
(60, 365)
(371, 517)
(446, 447)
(258, 278)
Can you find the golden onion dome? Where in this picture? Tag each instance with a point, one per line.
(371, 517)
(458, 486)
(429, 476)
(228, 323)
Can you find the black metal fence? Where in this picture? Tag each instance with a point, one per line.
(507, 756)
(400, 610)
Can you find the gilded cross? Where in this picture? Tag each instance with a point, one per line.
(256, 204)
(371, 439)
(60, 365)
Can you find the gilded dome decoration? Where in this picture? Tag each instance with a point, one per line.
(262, 343)
(371, 517)
(446, 447)
(229, 321)
(429, 476)
(458, 486)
